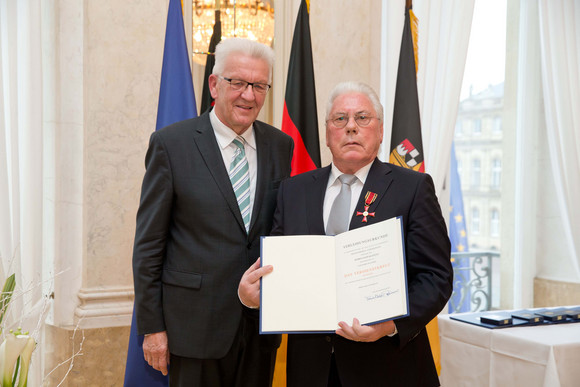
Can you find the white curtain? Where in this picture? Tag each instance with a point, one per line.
(444, 28)
(21, 149)
(560, 53)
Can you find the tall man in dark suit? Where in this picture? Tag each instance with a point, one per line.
(209, 193)
(392, 353)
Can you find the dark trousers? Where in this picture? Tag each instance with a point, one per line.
(333, 378)
(249, 363)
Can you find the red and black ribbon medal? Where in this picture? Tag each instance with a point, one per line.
(370, 197)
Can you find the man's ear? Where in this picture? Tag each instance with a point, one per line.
(212, 82)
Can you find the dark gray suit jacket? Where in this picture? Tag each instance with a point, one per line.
(191, 246)
(404, 360)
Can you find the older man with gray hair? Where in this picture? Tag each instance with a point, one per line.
(391, 353)
(208, 196)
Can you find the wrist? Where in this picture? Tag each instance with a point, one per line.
(242, 302)
(395, 331)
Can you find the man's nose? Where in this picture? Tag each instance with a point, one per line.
(351, 126)
(249, 93)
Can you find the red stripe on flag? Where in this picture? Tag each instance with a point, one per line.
(301, 160)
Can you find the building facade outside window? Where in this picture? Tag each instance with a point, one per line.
(475, 221)
(494, 223)
(496, 173)
(497, 125)
(479, 148)
(477, 127)
(475, 173)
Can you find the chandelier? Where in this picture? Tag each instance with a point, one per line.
(250, 19)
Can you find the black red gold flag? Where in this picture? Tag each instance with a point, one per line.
(299, 119)
(206, 99)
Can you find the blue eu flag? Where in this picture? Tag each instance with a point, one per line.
(176, 103)
(458, 236)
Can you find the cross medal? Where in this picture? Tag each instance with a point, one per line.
(370, 197)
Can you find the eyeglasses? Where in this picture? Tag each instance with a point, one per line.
(361, 120)
(239, 85)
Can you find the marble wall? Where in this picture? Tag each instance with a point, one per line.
(88, 358)
(346, 43)
(123, 48)
(105, 90)
(123, 56)
(549, 293)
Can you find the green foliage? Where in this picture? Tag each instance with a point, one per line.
(6, 295)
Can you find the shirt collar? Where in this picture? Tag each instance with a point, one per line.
(225, 135)
(361, 174)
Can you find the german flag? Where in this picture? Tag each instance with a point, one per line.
(300, 119)
(207, 101)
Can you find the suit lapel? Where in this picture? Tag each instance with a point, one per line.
(209, 150)
(378, 181)
(315, 192)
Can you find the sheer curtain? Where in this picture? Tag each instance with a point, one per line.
(560, 53)
(444, 29)
(21, 170)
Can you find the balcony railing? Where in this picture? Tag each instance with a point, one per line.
(472, 281)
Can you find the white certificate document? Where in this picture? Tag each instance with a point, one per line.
(320, 280)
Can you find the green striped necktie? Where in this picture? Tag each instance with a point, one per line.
(240, 178)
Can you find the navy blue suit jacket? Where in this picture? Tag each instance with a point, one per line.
(405, 359)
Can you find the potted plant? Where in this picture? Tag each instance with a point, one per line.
(16, 347)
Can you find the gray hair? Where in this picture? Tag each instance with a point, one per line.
(355, 87)
(244, 46)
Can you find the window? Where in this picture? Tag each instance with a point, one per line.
(496, 125)
(475, 173)
(494, 223)
(459, 128)
(477, 126)
(475, 221)
(496, 173)
(482, 145)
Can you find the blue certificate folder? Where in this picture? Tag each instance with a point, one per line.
(520, 318)
(320, 280)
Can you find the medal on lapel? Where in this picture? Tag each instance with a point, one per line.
(370, 197)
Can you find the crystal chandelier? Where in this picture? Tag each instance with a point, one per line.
(250, 19)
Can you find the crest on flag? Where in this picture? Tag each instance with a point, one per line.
(406, 155)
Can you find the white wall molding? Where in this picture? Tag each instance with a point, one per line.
(104, 307)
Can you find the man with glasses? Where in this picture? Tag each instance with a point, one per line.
(334, 199)
(208, 195)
